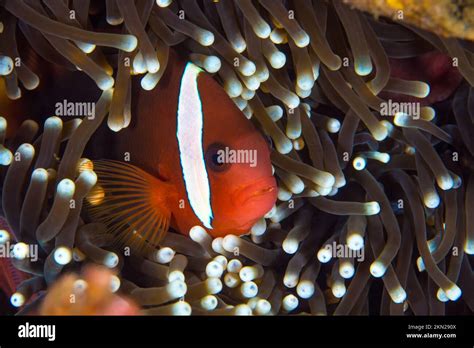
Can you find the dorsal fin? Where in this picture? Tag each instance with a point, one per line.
(131, 203)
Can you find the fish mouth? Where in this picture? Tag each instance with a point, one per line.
(259, 191)
(262, 193)
(251, 202)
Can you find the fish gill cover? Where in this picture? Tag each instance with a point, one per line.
(370, 122)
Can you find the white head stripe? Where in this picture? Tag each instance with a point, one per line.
(189, 133)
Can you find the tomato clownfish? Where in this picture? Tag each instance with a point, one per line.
(195, 160)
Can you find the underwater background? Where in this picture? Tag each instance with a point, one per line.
(350, 190)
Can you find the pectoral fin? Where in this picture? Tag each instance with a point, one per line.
(131, 202)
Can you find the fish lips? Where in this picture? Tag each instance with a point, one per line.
(257, 197)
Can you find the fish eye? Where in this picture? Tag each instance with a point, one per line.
(215, 159)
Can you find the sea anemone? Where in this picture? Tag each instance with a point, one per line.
(374, 212)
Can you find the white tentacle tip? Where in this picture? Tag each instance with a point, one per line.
(17, 299)
(377, 269)
(62, 255)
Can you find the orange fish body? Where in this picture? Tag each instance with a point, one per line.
(209, 165)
